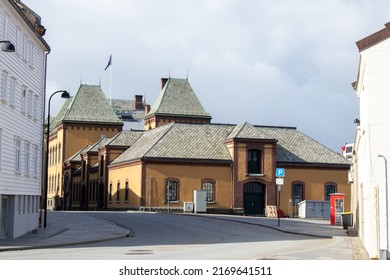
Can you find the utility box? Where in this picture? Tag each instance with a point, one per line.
(188, 207)
(314, 209)
(336, 208)
(200, 201)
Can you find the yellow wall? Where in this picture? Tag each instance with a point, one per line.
(314, 184)
(189, 177)
(131, 174)
(72, 140)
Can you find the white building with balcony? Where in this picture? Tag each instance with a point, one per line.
(22, 99)
(371, 147)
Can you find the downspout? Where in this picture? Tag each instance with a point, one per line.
(43, 173)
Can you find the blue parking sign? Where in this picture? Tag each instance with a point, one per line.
(279, 172)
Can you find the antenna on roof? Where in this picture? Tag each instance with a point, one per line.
(81, 78)
(187, 73)
(100, 80)
(169, 72)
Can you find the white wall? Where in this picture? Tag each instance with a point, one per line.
(374, 95)
(27, 67)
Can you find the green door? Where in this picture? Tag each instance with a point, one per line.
(254, 198)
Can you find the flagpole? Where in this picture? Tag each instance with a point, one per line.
(110, 84)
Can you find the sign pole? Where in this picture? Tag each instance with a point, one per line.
(278, 206)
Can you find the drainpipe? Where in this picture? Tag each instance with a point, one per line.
(385, 255)
(43, 138)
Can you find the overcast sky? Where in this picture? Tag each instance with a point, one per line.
(266, 62)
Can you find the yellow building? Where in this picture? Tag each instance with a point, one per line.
(82, 120)
(181, 151)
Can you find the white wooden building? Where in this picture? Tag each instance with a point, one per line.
(22, 104)
(371, 147)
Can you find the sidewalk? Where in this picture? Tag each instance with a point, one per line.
(66, 228)
(70, 228)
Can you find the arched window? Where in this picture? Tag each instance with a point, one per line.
(127, 191)
(118, 193)
(172, 190)
(59, 153)
(110, 193)
(329, 188)
(298, 192)
(208, 185)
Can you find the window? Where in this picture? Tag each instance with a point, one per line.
(29, 101)
(4, 90)
(59, 153)
(118, 194)
(6, 21)
(35, 160)
(110, 194)
(298, 192)
(18, 156)
(26, 158)
(127, 191)
(172, 190)
(35, 107)
(24, 99)
(13, 91)
(209, 187)
(254, 162)
(329, 188)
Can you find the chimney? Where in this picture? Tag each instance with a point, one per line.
(147, 108)
(138, 102)
(163, 82)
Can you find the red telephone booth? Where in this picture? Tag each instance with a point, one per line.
(336, 208)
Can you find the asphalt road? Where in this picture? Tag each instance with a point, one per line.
(180, 237)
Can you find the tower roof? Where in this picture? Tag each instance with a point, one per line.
(177, 98)
(88, 105)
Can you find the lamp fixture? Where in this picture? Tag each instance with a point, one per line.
(8, 46)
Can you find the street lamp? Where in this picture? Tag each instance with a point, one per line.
(386, 255)
(64, 94)
(7, 47)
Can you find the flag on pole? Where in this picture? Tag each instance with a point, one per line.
(109, 63)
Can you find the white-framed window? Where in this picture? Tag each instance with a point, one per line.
(25, 48)
(24, 99)
(29, 103)
(35, 160)
(19, 33)
(12, 91)
(35, 106)
(6, 21)
(18, 154)
(26, 158)
(4, 89)
(30, 49)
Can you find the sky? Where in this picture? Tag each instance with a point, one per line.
(265, 62)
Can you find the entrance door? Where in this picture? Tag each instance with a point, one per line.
(254, 198)
(3, 217)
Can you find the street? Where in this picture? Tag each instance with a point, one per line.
(158, 236)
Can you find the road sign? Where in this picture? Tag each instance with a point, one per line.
(279, 172)
(279, 181)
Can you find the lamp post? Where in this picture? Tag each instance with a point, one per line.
(64, 94)
(8, 46)
(386, 255)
